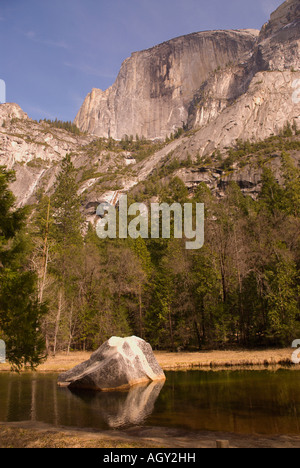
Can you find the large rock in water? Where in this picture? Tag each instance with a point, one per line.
(118, 364)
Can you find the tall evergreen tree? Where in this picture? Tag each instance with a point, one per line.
(66, 203)
(67, 234)
(20, 309)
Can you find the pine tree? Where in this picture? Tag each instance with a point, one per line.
(67, 234)
(20, 310)
(282, 292)
(66, 203)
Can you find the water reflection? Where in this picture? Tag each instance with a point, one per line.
(250, 402)
(120, 409)
(37, 397)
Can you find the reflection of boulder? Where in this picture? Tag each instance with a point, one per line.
(119, 409)
(118, 364)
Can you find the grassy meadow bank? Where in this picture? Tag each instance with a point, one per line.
(27, 434)
(182, 361)
(34, 434)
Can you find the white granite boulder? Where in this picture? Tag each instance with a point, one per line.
(118, 364)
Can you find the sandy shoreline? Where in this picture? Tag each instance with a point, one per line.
(183, 361)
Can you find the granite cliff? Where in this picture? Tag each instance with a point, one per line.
(255, 99)
(223, 86)
(154, 88)
(191, 79)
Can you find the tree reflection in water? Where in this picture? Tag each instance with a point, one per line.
(239, 401)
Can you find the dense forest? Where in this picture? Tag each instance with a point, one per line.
(63, 288)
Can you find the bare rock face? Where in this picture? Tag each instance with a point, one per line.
(279, 40)
(33, 149)
(286, 15)
(254, 99)
(118, 364)
(11, 111)
(23, 139)
(261, 112)
(154, 88)
(223, 85)
(190, 80)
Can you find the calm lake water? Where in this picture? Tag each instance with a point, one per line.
(262, 402)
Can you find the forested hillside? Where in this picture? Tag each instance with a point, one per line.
(240, 289)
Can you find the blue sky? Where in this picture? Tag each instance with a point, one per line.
(55, 51)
